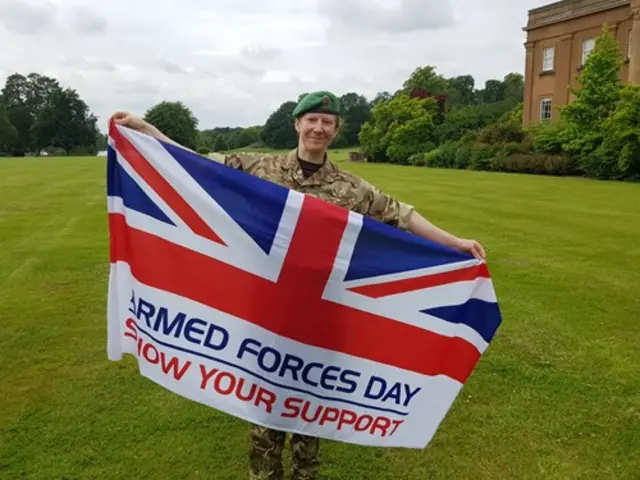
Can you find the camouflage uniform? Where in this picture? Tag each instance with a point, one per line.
(334, 185)
(329, 183)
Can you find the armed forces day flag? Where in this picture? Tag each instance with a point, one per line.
(282, 309)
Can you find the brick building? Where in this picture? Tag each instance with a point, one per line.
(560, 37)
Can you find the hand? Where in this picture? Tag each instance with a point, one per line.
(471, 247)
(129, 120)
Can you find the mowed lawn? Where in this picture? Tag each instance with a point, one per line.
(556, 396)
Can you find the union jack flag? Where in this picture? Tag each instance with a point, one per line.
(292, 264)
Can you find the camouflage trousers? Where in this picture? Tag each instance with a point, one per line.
(265, 455)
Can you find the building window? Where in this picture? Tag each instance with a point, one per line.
(587, 46)
(545, 109)
(548, 55)
(629, 45)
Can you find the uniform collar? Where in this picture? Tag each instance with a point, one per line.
(293, 165)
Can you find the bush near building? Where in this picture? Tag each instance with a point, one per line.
(597, 135)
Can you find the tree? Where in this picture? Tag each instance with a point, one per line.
(618, 154)
(399, 128)
(219, 144)
(493, 91)
(356, 113)
(460, 120)
(25, 97)
(513, 87)
(460, 91)
(8, 133)
(176, 121)
(65, 122)
(101, 142)
(425, 78)
(596, 98)
(380, 97)
(278, 131)
(249, 136)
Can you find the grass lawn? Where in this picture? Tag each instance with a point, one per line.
(556, 396)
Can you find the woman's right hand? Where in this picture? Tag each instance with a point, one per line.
(129, 120)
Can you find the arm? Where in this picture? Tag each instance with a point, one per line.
(387, 209)
(418, 225)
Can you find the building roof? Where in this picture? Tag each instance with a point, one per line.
(567, 10)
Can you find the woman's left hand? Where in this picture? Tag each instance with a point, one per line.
(471, 247)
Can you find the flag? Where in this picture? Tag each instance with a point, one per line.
(282, 309)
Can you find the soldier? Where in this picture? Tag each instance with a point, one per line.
(307, 169)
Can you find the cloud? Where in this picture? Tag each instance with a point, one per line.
(86, 22)
(171, 66)
(405, 16)
(24, 18)
(89, 64)
(235, 61)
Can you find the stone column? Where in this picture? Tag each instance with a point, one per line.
(528, 82)
(634, 62)
(564, 72)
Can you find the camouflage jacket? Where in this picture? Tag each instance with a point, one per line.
(329, 183)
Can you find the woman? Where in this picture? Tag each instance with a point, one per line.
(308, 170)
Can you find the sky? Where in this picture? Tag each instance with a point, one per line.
(233, 62)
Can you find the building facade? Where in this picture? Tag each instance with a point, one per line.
(560, 37)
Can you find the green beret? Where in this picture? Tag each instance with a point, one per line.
(324, 102)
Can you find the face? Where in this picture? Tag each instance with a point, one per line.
(316, 130)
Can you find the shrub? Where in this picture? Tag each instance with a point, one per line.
(534, 163)
(442, 157)
(203, 151)
(417, 160)
(463, 157)
(79, 152)
(506, 149)
(548, 137)
(56, 151)
(481, 154)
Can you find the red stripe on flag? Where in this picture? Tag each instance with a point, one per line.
(291, 309)
(411, 284)
(142, 166)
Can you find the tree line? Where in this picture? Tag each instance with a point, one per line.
(38, 115)
(597, 135)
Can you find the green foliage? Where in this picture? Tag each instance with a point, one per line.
(599, 112)
(279, 131)
(398, 129)
(176, 121)
(460, 120)
(356, 112)
(599, 85)
(65, 122)
(461, 91)
(44, 114)
(203, 151)
(101, 142)
(618, 156)
(80, 152)
(547, 137)
(443, 156)
(225, 138)
(425, 78)
(481, 155)
(533, 164)
(8, 133)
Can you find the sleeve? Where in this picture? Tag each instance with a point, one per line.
(233, 161)
(386, 208)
